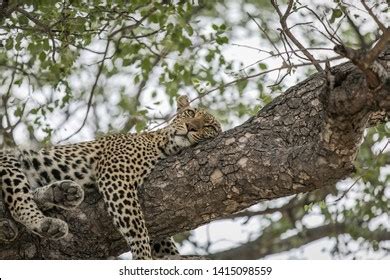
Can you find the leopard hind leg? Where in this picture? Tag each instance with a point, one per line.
(163, 248)
(19, 200)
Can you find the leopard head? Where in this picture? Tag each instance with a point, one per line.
(192, 125)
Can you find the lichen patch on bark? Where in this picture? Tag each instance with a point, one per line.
(242, 162)
(216, 177)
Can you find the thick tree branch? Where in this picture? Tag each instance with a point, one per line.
(305, 139)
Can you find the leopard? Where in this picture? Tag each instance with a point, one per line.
(116, 164)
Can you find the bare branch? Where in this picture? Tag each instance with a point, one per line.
(379, 47)
(142, 35)
(8, 131)
(267, 36)
(355, 28)
(364, 59)
(132, 26)
(321, 21)
(375, 18)
(286, 30)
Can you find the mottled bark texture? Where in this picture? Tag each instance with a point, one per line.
(305, 139)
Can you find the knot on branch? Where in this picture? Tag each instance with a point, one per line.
(366, 60)
(9, 231)
(361, 59)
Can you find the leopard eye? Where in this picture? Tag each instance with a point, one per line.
(211, 128)
(190, 112)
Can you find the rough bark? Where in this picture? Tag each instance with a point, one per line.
(305, 139)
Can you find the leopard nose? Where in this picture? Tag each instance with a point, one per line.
(191, 127)
(194, 124)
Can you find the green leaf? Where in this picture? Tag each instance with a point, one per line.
(46, 45)
(241, 85)
(189, 30)
(9, 44)
(23, 20)
(34, 111)
(42, 56)
(222, 40)
(140, 125)
(336, 13)
(263, 66)
(210, 56)
(146, 64)
(18, 112)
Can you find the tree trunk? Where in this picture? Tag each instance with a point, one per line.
(305, 139)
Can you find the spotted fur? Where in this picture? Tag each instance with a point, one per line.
(118, 164)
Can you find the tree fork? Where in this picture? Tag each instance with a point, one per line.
(303, 140)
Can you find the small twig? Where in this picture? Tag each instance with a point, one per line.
(142, 35)
(275, 55)
(5, 100)
(24, 72)
(285, 41)
(144, 44)
(286, 30)
(320, 20)
(252, 48)
(267, 36)
(301, 23)
(272, 54)
(132, 26)
(86, 49)
(278, 82)
(43, 26)
(8, 131)
(334, 34)
(379, 46)
(323, 34)
(375, 18)
(355, 28)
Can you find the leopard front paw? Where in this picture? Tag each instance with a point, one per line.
(52, 228)
(67, 194)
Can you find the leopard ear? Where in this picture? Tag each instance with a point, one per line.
(182, 102)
